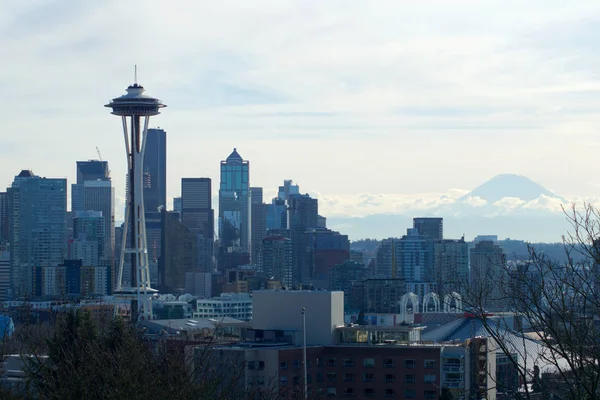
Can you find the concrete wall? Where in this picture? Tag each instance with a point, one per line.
(283, 310)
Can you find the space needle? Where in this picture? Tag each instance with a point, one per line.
(134, 107)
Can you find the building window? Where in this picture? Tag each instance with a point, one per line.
(430, 378)
(331, 392)
(430, 394)
(331, 376)
(389, 378)
(283, 365)
(349, 392)
(251, 365)
(308, 378)
(349, 377)
(348, 362)
(261, 365)
(369, 392)
(369, 362)
(409, 378)
(390, 392)
(409, 363)
(389, 363)
(296, 363)
(308, 364)
(430, 364)
(319, 377)
(331, 361)
(369, 377)
(320, 362)
(410, 393)
(283, 380)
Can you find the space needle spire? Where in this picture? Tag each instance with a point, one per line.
(133, 108)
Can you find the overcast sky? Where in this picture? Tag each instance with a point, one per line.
(348, 98)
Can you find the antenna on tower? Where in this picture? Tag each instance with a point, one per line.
(135, 74)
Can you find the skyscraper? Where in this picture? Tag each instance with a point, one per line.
(155, 170)
(197, 215)
(451, 265)
(234, 204)
(277, 259)
(258, 219)
(178, 256)
(37, 209)
(432, 227)
(89, 234)
(3, 217)
(488, 263)
(303, 214)
(94, 192)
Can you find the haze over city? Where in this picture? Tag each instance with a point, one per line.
(370, 109)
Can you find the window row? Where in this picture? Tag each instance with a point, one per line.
(388, 392)
(366, 377)
(366, 362)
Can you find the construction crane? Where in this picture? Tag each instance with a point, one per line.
(106, 170)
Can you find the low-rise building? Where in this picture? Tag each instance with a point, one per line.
(234, 305)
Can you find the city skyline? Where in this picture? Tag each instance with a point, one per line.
(437, 97)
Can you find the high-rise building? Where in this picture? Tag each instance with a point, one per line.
(4, 275)
(303, 214)
(3, 217)
(154, 238)
(451, 265)
(178, 255)
(234, 204)
(177, 204)
(258, 217)
(488, 263)
(409, 258)
(37, 209)
(197, 215)
(277, 259)
(91, 170)
(155, 170)
(89, 237)
(94, 192)
(325, 248)
(432, 227)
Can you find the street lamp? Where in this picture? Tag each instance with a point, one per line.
(304, 352)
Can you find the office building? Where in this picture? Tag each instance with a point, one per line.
(430, 227)
(178, 254)
(198, 284)
(88, 237)
(343, 276)
(155, 170)
(177, 204)
(4, 275)
(409, 258)
(277, 259)
(154, 239)
(197, 215)
(3, 217)
(72, 279)
(234, 305)
(488, 265)
(451, 266)
(234, 204)
(37, 211)
(303, 212)
(258, 224)
(325, 248)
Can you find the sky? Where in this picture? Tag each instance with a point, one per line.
(350, 99)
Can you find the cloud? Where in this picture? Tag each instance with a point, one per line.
(292, 83)
(509, 203)
(546, 203)
(475, 201)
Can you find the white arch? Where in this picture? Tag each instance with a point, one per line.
(414, 300)
(448, 302)
(436, 302)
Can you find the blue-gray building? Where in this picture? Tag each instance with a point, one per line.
(37, 209)
(234, 204)
(155, 170)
